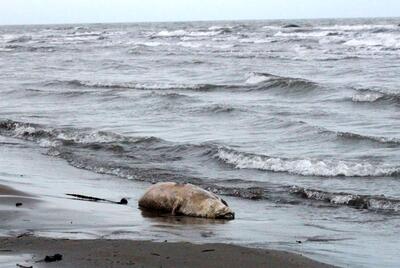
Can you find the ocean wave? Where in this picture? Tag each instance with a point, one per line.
(87, 33)
(378, 203)
(197, 45)
(255, 40)
(374, 95)
(359, 27)
(305, 34)
(48, 137)
(150, 44)
(152, 159)
(338, 58)
(169, 95)
(223, 29)
(379, 40)
(130, 85)
(268, 81)
(180, 33)
(350, 135)
(17, 39)
(28, 48)
(68, 94)
(367, 96)
(304, 167)
(272, 27)
(254, 81)
(217, 109)
(52, 136)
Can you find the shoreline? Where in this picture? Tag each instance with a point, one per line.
(26, 249)
(30, 250)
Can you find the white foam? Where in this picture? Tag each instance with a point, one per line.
(196, 45)
(386, 40)
(375, 203)
(154, 86)
(11, 38)
(150, 44)
(6, 49)
(255, 40)
(255, 78)
(342, 199)
(190, 44)
(272, 27)
(303, 34)
(219, 27)
(207, 33)
(48, 143)
(367, 96)
(51, 137)
(359, 27)
(166, 33)
(180, 33)
(305, 167)
(150, 86)
(22, 130)
(92, 137)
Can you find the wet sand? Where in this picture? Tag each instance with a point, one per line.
(122, 253)
(13, 203)
(28, 250)
(99, 234)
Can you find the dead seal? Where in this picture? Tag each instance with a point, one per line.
(185, 199)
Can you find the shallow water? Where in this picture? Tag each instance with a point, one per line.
(299, 126)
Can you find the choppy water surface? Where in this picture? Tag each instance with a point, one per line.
(305, 117)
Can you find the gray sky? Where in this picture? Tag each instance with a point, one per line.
(75, 11)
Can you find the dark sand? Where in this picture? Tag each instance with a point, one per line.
(122, 253)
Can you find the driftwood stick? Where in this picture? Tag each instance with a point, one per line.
(96, 199)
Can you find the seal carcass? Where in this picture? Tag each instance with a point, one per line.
(185, 199)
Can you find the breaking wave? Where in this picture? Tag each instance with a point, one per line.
(378, 40)
(152, 159)
(378, 203)
(373, 95)
(266, 80)
(130, 85)
(360, 27)
(388, 140)
(48, 137)
(212, 31)
(254, 81)
(304, 167)
(18, 39)
(305, 34)
(51, 136)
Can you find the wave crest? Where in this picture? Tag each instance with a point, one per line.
(52, 137)
(374, 95)
(350, 135)
(181, 33)
(352, 200)
(267, 80)
(304, 167)
(129, 85)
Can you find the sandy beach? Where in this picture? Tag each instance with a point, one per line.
(123, 253)
(26, 250)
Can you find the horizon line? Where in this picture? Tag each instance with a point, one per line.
(201, 20)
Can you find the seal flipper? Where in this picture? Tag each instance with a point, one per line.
(175, 209)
